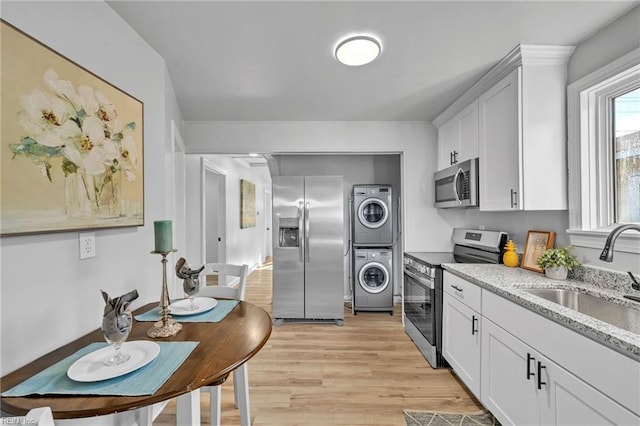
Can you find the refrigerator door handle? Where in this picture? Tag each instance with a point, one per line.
(300, 227)
(306, 232)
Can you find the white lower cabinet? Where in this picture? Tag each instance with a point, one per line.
(508, 377)
(522, 387)
(461, 341)
(529, 370)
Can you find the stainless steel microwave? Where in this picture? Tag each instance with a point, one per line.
(457, 186)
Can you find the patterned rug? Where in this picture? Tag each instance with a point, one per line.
(434, 418)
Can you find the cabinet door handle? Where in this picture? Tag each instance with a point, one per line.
(540, 382)
(455, 157)
(514, 199)
(456, 288)
(529, 359)
(474, 321)
(451, 162)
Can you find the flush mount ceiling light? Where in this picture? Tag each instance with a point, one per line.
(357, 50)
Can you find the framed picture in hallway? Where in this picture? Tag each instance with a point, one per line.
(71, 144)
(247, 204)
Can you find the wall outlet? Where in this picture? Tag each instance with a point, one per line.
(87, 245)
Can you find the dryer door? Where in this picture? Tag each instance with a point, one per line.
(373, 277)
(373, 213)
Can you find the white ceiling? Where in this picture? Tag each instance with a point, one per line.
(265, 60)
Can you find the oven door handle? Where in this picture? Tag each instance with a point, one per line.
(426, 282)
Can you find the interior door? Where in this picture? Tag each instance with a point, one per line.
(212, 187)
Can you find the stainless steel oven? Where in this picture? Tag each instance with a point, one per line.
(421, 312)
(423, 286)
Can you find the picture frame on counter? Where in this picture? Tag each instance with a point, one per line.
(536, 243)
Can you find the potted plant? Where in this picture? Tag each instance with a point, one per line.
(557, 261)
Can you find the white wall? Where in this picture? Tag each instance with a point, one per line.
(49, 296)
(242, 245)
(425, 228)
(611, 42)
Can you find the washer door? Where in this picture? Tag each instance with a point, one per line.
(373, 277)
(373, 213)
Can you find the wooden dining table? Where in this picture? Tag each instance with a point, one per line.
(223, 347)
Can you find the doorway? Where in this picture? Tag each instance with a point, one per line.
(214, 196)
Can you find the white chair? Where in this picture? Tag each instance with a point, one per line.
(235, 289)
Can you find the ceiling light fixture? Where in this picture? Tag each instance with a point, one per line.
(358, 50)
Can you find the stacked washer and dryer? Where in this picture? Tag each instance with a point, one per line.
(372, 248)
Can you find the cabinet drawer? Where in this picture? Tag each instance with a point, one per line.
(461, 289)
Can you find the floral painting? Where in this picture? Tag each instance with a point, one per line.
(72, 144)
(247, 204)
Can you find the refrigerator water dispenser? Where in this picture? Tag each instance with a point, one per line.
(289, 232)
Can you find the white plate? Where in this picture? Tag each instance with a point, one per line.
(91, 368)
(183, 307)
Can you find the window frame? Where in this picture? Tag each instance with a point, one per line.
(589, 103)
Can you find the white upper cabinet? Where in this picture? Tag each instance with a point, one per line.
(516, 126)
(448, 143)
(458, 137)
(468, 129)
(500, 153)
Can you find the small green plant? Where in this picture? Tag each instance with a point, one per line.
(558, 256)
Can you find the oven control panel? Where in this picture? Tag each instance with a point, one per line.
(418, 267)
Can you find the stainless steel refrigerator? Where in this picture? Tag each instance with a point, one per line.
(308, 244)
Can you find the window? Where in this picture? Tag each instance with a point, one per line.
(603, 114)
(626, 149)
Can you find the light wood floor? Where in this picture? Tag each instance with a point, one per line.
(363, 373)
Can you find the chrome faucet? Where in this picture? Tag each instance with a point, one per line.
(607, 252)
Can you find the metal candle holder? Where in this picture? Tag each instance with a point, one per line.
(166, 326)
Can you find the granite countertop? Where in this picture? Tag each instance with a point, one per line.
(609, 285)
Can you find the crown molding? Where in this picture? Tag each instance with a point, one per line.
(521, 55)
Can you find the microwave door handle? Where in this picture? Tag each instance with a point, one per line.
(455, 185)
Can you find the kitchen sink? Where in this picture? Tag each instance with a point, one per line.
(604, 310)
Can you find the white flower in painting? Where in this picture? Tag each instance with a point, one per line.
(94, 162)
(86, 142)
(93, 130)
(87, 100)
(62, 88)
(111, 150)
(106, 110)
(80, 126)
(46, 119)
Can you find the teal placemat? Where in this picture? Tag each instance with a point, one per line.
(144, 381)
(216, 314)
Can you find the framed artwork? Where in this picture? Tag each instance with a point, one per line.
(71, 144)
(537, 242)
(247, 204)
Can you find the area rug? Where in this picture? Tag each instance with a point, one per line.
(435, 418)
